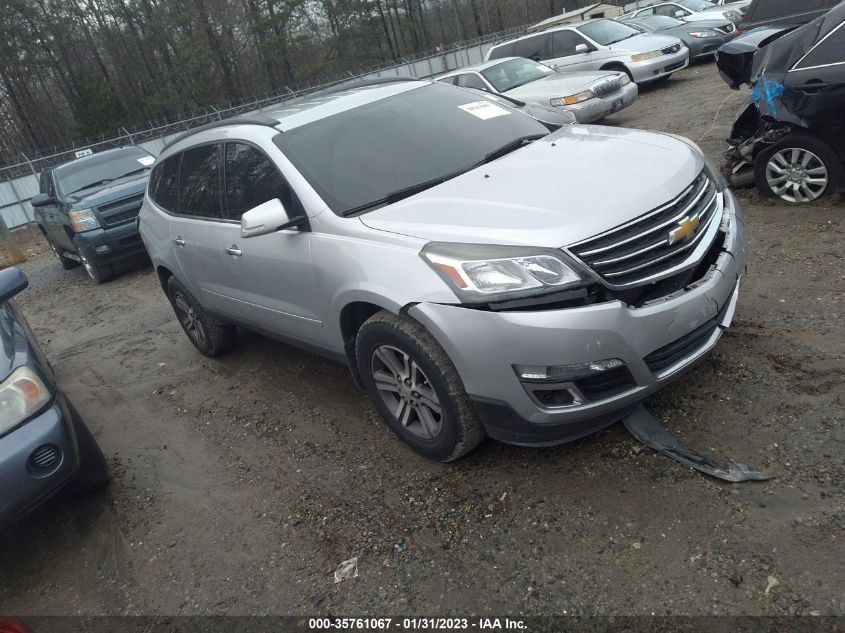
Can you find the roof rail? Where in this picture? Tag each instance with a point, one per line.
(364, 83)
(238, 120)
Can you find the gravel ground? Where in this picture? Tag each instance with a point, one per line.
(240, 484)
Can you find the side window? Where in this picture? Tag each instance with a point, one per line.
(199, 182)
(670, 10)
(831, 51)
(471, 80)
(164, 182)
(505, 50)
(536, 48)
(448, 80)
(564, 43)
(251, 179)
(645, 12)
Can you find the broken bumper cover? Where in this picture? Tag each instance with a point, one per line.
(658, 342)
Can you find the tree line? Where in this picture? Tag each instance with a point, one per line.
(76, 69)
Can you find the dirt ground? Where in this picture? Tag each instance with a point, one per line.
(239, 484)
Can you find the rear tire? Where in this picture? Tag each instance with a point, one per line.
(419, 392)
(93, 472)
(801, 160)
(209, 336)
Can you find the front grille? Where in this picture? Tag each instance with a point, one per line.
(44, 457)
(686, 346)
(606, 88)
(671, 50)
(122, 216)
(643, 249)
(138, 198)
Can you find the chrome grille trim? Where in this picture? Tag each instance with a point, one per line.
(670, 50)
(631, 254)
(606, 88)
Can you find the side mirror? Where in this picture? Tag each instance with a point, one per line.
(680, 14)
(582, 48)
(42, 200)
(12, 281)
(268, 217)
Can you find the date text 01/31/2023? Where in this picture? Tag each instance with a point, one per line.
(416, 624)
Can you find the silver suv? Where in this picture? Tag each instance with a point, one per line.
(478, 274)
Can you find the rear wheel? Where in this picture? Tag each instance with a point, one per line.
(798, 169)
(416, 388)
(209, 336)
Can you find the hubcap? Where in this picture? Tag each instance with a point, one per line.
(407, 392)
(796, 175)
(188, 318)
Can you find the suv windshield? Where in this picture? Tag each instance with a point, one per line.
(659, 22)
(515, 72)
(392, 148)
(102, 168)
(607, 32)
(695, 5)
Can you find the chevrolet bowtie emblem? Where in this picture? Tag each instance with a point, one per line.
(684, 231)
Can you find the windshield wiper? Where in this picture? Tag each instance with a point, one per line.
(105, 181)
(134, 171)
(407, 192)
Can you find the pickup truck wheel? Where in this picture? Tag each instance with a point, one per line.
(208, 335)
(66, 263)
(798, 169)
(97, 272)
(416, 388)
(93, 470)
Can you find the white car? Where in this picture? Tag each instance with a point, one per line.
(689, 11)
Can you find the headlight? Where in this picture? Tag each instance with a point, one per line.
(22, 394)
(573, 99)
(704, 34)
(478, 273)
(715, 175)
(733, 15)
(646, 56)
(83, 220)
(624, 79)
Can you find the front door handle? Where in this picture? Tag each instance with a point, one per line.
(179, 241)
(813, 86)
(234, 251)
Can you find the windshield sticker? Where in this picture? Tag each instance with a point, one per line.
(146, 160)
(483, 110)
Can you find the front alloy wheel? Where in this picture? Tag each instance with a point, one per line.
(406, 391)
(796, 175)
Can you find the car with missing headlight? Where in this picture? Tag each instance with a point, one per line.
(702, 38)
(589, 95)
(45, 445)
(86, 209)
(474, 271)
(599, 44)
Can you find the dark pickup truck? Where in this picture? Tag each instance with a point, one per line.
(87, 209)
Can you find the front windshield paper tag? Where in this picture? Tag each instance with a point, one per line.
(146, 160)
(483, 109)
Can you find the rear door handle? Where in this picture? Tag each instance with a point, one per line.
(813, 86)
(179, 241)
(234, 251)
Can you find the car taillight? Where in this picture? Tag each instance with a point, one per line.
(12, 625)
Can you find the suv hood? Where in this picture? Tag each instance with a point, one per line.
(644, 43)
(568, 186)
(115, 190)
(560, 85)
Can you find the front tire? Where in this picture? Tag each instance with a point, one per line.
(798, 169)
(98, 273)
(416, 388)
(64, 262)
(208, 335)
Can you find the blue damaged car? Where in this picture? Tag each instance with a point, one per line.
(44, 444)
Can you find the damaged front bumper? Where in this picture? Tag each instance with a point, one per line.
(657, 343)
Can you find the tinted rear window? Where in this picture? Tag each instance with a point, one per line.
(164, 183)
(505, 50)
(536, 48)
(199, 182)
